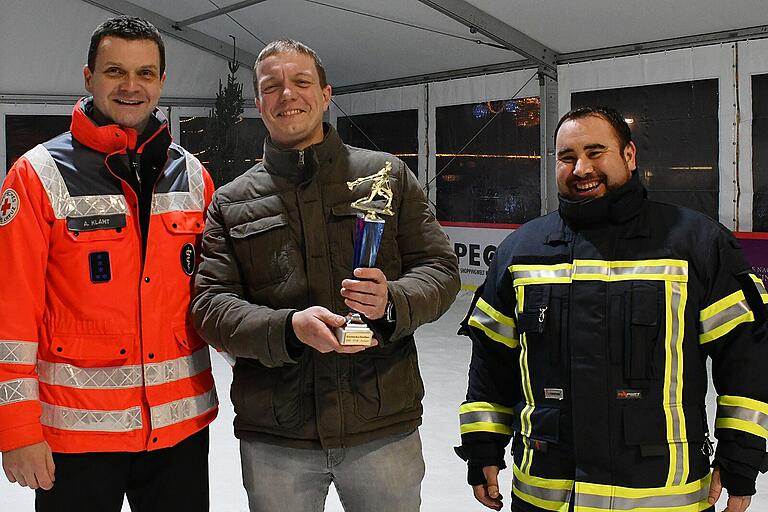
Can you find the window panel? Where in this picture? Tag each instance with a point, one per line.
(675, 129)
(394, 132)
(23, 132)
(248, 146)
(760, 152)
(496, 177)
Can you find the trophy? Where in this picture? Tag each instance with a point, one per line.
(369, 227)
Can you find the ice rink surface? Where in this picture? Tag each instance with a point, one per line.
(444, 359)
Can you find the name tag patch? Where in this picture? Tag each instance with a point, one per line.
(96, 222)
(101, 271)
(188, 259)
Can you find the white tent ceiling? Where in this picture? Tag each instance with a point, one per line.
(366, 41)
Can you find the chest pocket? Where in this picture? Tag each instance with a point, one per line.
(635, 320)
(266, 250)
(543, 321)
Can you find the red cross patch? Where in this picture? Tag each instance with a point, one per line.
(9, 206)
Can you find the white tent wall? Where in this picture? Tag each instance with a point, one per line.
(716, 61)
(750, 60)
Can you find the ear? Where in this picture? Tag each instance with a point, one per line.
(258, 104)
(162, 80)
(629, 156)
(326, 97)
(87, 76)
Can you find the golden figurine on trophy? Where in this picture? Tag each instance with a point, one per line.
(369, 227)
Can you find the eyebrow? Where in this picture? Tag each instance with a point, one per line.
(587, 147)
(120, 65)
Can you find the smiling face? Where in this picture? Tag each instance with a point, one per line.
(291, 100)
(126, 82)
(590, 159)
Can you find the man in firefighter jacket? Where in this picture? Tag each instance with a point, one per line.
(105, 389)
(590, 338)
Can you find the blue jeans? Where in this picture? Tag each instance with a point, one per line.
(381, 476)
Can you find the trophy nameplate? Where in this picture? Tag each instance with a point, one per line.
(369, 227)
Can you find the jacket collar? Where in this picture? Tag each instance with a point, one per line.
(111, 138)
(300, 165)
(617, 207)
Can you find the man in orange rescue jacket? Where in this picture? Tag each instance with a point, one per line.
(105, 389)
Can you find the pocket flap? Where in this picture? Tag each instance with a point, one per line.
(645, 304)
(102, 347)
(187, 336)
(545, 423)
(258, 226)
(648, 426)
(183, 222)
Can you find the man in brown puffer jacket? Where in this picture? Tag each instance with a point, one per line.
(276, 277)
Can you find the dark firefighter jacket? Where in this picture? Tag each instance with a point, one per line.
(590, 340)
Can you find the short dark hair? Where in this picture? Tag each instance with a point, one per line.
(613, 116)
(288, 46)
(126, 27)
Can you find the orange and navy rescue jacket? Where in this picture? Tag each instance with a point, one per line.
(97, 352)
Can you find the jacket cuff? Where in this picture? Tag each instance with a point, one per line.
(479, 456)
(293, 345)
(19, 437)
(735, 480)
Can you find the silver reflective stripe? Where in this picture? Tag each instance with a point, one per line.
(556, 495)
(62, 203)
(744, 414)
(18, 352)
(485, 417)
(481, 317)
(581, 269)
(184, 409)
(612, 503)
(725, 316)
(670, 270)
(177, 369)
(19, 390)
(122, 377)
(542, 273)
(116, 377)
(194, 200)
(66, 418)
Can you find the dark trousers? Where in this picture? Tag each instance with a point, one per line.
(164, 480)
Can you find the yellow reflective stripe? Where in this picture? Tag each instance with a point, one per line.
(485, 417)
(760, 287)
(721, 305)
(546, 493)
(525, 415)
(485, 406)
(482, 426)
(740, 413)
(600, 270)
(676, 296)
(494, 324)
(690, 497)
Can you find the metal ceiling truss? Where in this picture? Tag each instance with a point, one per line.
(217, 12)
(168, 27)
(496, 30)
